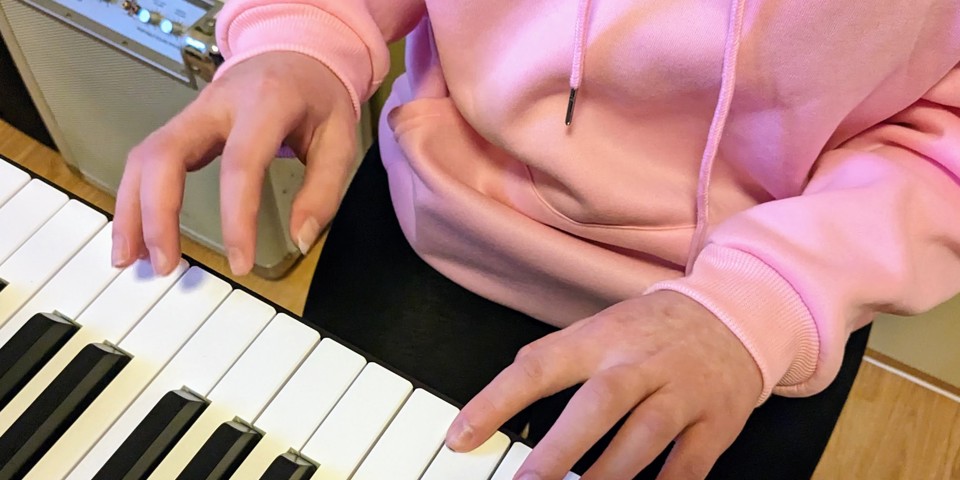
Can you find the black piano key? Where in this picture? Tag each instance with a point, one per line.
(29, 350)
(222, 453)
(57, 407)
(154, 437)
(289, 466)
(3, 284)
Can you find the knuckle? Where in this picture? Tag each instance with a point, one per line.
(696, 466)
(269, 83)
(216, 101)
(663, 422)
(726, 426)
(208, 95)
(154, 208)
(236, 168)
(603, 393)
(139, 152)
(532, 367)
(156, 149)
(656, 423)
(525, 351)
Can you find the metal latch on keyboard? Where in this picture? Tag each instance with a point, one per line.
(199, 48)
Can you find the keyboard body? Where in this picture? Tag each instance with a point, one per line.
(110, 373)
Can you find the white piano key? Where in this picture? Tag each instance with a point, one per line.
(152, 343)
(25, 213)
(108, 318)
(73, 288)
(44, 253)
(411, 441)
(12, 179)
(477, 464)
(514, 459)
(246, 388)
(512, 462)
(356, 422)
(302, 404)
(200, 364)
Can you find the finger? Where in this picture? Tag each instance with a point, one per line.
(250, 147)
(127, 229)
(535, 374)
(161, 164)
(695, 453)
(648, 431)
(596, 407)
(330, 163)
(161, 198)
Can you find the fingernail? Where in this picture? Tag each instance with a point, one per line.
(159, 261)
(308, 234)
(236, 261)
(121, 251)
(530, 476)
(460, 439)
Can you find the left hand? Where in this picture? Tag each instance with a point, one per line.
(663, 359)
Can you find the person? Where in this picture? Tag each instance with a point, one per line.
(651, 234)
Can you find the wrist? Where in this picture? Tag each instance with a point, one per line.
(760, 308)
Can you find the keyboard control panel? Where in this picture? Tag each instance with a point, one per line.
(175, 36)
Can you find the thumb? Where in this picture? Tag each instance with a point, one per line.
(330, 164)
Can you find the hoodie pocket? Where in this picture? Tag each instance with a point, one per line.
(457, 173)
(594, 187)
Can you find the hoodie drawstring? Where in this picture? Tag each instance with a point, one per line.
(579, 51)
(728, 82)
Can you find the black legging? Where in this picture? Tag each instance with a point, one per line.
(372, 290)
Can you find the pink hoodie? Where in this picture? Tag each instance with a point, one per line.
(794, 166)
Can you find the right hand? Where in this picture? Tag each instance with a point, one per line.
(246, 115)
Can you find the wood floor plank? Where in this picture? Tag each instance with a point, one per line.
(892, 428)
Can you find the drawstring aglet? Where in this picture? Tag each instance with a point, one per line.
(570, 104)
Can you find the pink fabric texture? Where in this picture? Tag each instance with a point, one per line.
(792, 166)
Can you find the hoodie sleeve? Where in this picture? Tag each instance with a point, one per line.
(877, 229)
(349, 36)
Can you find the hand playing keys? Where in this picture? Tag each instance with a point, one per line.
(662, 360)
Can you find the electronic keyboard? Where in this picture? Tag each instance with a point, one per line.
(110, 373)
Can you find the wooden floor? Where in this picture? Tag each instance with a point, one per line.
(890, 429)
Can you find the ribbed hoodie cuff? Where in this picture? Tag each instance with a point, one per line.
(760, 307)
(304, 29)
